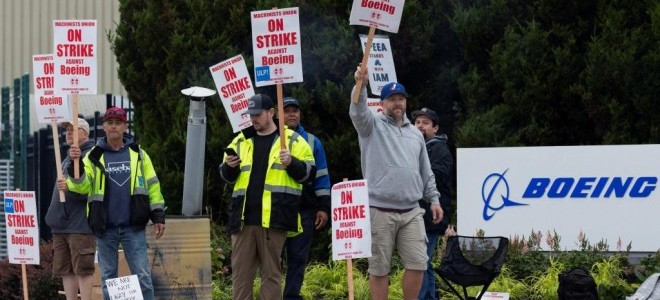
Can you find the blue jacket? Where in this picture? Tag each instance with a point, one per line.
(317, 194)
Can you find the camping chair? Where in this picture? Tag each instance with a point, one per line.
(472, 261)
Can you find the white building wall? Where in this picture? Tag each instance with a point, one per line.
(26, 29)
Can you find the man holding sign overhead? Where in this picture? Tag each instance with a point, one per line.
(265, 204)
(396, 166)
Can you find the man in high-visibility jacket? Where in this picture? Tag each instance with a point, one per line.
(266, 200)
(123, 194)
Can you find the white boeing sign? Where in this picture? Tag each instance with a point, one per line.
(607, 192)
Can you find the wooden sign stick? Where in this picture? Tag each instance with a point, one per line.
(363, 65)
(24, 278)
(349, 271)
(58, 157)
(76, 162)
(280, 115)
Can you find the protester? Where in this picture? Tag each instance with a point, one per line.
(315, 207)
(73, 241)
(268, 182)
(395, 163)
(124, 193)
(427, 121)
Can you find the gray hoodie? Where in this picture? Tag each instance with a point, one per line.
(69, 216)
(394, 159)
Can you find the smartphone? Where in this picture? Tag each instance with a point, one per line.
(230, 151)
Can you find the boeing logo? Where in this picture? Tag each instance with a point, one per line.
(496, 187)
(493, 181)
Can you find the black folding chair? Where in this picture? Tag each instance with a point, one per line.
(472, 261)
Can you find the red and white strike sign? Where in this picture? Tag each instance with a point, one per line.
(22, 227)
(276, 46)
(351, 224)
(75, 56)
(234, 86)
(50, 106)
(382, 14)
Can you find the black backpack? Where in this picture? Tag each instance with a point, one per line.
(577, 284)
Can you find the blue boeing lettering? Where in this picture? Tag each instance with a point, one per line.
(590, 187)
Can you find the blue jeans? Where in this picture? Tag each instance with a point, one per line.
(428, 291)
(134, 243)
(297, 252)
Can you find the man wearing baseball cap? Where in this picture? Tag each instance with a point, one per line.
(265, 204)
(427, 121)
(395, 163)
(120, 208)
(73, 241)
(315, 207)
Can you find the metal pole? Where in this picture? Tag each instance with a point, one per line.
(5, 139)
(25, 128)
(193, 178)
(16, 146)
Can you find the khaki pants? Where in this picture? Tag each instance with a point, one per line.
(257, 247)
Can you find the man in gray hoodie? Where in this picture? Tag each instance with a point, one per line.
(73, 241)
(395, 163)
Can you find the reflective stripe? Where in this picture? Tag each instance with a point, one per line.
(95, 197)
(246, 168)
(157, 205)
(310, 141)
(322, 172)
(79, 180)
(140, 191)
(322, 192)
(223, 177)
(152, 180)
(278, 166)
(238, 193)
(309, 169)
(292, 139)
(282, 189)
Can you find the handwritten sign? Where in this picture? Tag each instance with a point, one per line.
(380, 63)
(22, 227)
(50, 106)
(381, 14)
(276, 46)
(351, 225)
(495, 296)
(124, 288)
(75, 56)
(234, 86)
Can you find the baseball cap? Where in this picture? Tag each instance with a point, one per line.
(429, 113)
(82, 124)
(258, 103)
(391, 89)
(290, 101)
(115, 113)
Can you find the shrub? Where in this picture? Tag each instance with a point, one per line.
(41, 284)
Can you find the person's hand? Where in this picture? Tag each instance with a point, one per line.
(438, 214)
(285, 157)
(365, 76)
(320, 220)
(450, 231)
(159, 229)
(74, 152)
(232, 161)
(61, 184)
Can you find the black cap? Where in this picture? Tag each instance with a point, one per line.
(429, 113)
(288, 101)
(258, 103)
